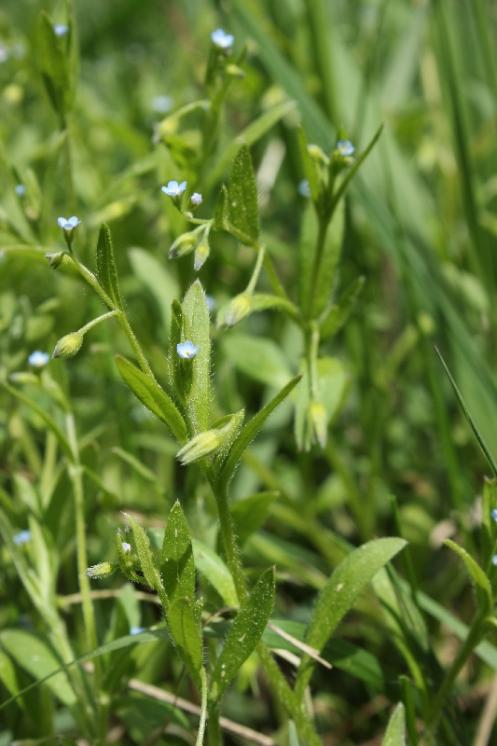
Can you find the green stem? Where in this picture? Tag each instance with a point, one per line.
(203, 708)
(257, 270)
(98, 320)
(473, 638)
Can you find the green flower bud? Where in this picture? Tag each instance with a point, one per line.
(200, 446)
(69, 345)
(183, 245)
(319, 422)
(235, 311)
(317, 154)
(100, 571)
(201, 254)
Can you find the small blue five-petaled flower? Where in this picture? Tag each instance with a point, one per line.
(68, 224)
(38, 359)
(304, 189)
(196, 199)
(221, 39)
(20, 190)
(186, 350)
(345, 148)
(162, 104)
(174, 188)
(136, 630)
(22, 537)
(60, 29)
(494, 560)
(494, 514)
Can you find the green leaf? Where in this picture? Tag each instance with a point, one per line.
(54, 59)
(250, 513)
(237, 212)
(161, 284)
(245, 632)
(250, 430)
(259, 358)
(212, 567)
(197, 329)
(35, 657)
(474, 570)
(49, 422)
(341, 592)
(355, 168)
(146, 558)
(178, 573)
(106, 266)
(395, 734)
(148, 391)
(8, 675)
(336, 316)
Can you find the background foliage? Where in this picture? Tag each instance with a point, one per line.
(401, 458)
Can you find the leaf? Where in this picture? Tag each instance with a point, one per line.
(317, 279)
(35, 657)
(49, 422)
(395, 734)
(341, 592)
(146, 557)
(178, 573)
(237, 212)
(474, 570)
(148, 391)
(261, 359)
(8, 675)
(197, 329)
(333, 383)
(54, 60)
(212, 567)
(355, 168)
(245, 632)
(250, 430)
(250, 513)
(157, 280)
(106, 266)
(337, 315)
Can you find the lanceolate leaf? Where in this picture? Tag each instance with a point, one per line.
(152, 396)
(197, 329)
(338, 313)
(341, 592)
(145, 556)
(212, 567)
(237, 211)
(395, 734)
(35, 656)
(474, 570)
(106, 266)
(250, 430)
(245, 633)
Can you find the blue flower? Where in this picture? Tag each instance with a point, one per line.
(4, 54)
(22, 538)
(38, 359)
(196, 199)
(20, 190)
(494, 514)
(162, 104)
(221, 39)
(60, 29)
(345, 148)
(494, 560)
(304, 189)
(186, 350)
(174, 189)
(211, 303)
(136, 630)
(125, 546)
(68, 224)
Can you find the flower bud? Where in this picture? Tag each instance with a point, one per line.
(202, 252)
(201, 445)
(183, 245)
(319, 422)
(99, 571)
(69, 345)
(235, 311)
(317, 154)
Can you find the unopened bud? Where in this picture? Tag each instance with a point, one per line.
(69, 345)
(99, 571)
(234, 71)
(201, 255)
(319, 422)
(235, 311)
(183, 245)
(317, 154)
(201, 445)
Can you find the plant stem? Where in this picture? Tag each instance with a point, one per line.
(203, 708)
(473, 638)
